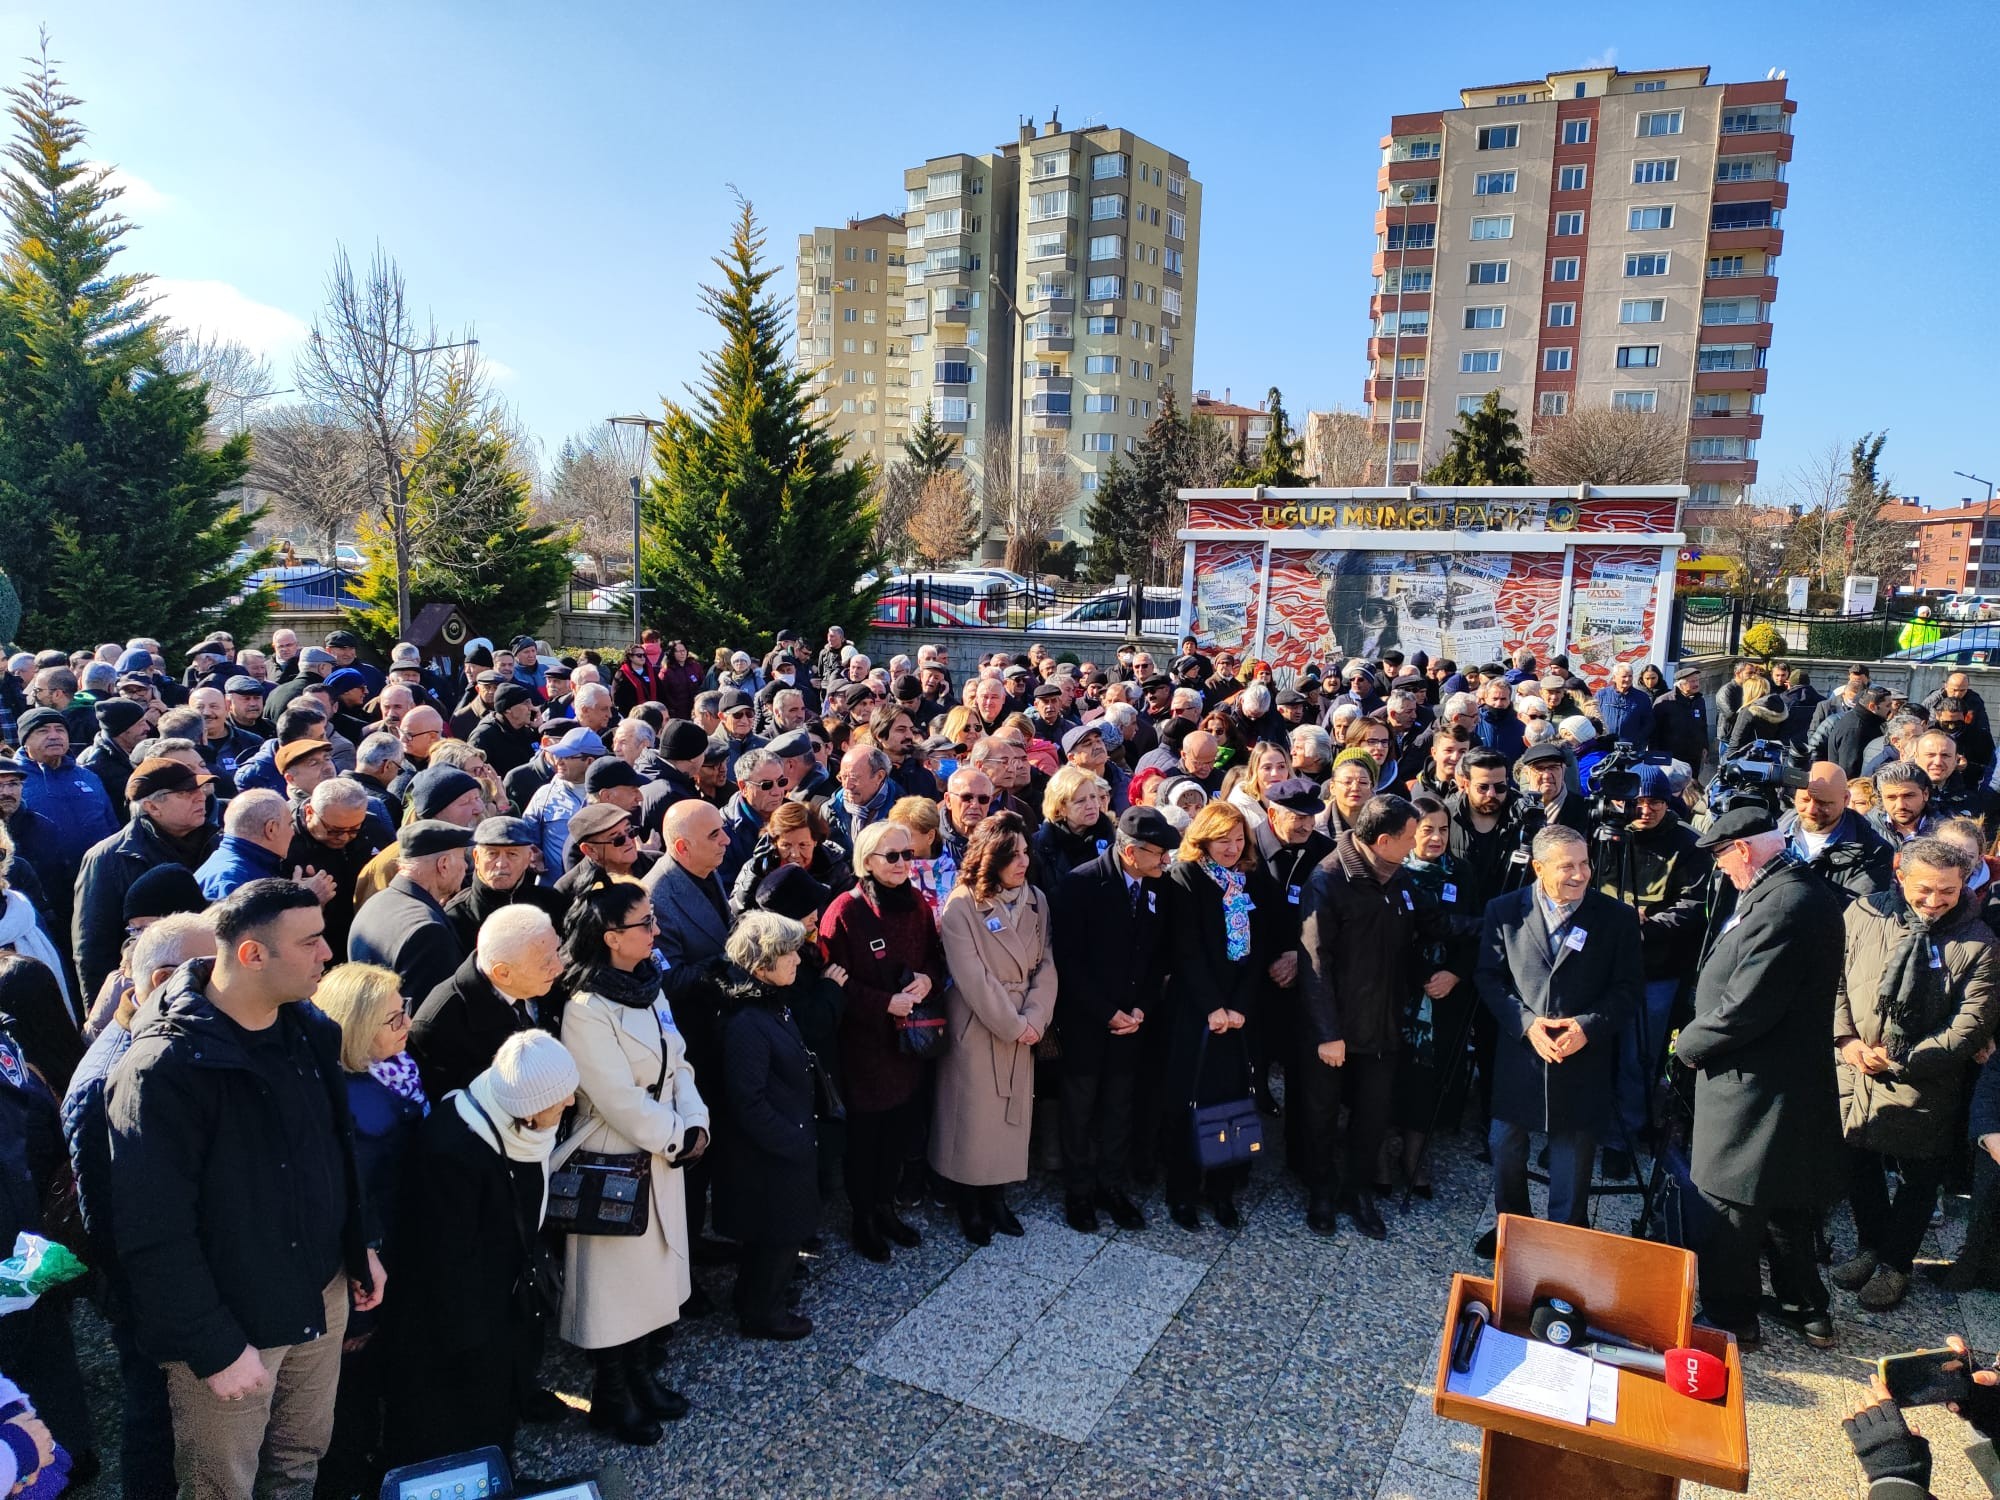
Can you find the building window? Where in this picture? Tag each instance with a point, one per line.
(944, 184)
(1100, 404)
(1410, 367)
(1104, 288)
(1470, 404)
(1423, 151)
(1406, 450)
(1719, 310)
(1576, 132)
(1725, 265)
(1658, 216)
(1097, 442)
(953, 367)
(847, 346)
(1572, 179)
(1493, 227)
(1173, 262)
(1638, 356)
(1100, 364)
(1499, 137)
(1562, 315)
(1648, 85)
(1170, 301)
(1052, 164)
(1176, 225)
(847, 407)
(1111, 164)
(1486, 317)
(1409, 408)
(1486, 273)
(1743, 216)
(1660, 122)
(1553, 404)
(1108, 206)
(1642, 310)
(943, 221)
(848, 314)
(1635, 400)
(1048, 206)
(1107, 247)
(1663, 169)
(1565, 268)
(1504, 99)
(1044, 246)
(1176, 185)
(1654, 264)
(1705, 494)
(1729, 357)
(1100, 325)
(1412, 236)
(1487, 183)
(1711, 404)
(1413, 279)
(1557, 358)
(1725, 450)
(1568, 224)
(1479, 362)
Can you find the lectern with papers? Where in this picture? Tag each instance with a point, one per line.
(1632, 1288)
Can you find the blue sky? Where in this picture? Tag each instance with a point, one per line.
(557, 177)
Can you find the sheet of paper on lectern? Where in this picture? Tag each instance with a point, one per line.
(1527, 1375)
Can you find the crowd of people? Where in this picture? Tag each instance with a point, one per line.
(396, 1021)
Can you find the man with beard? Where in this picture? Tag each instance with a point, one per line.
(503, 875)
(1834, 841)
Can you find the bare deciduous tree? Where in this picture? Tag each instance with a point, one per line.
(592, 487)
(318, 473)
(942, 528)
(1813, 491)
(1609, 445)
(237, 377)
(1342, 449)
(1036, 506)
(1210, 452)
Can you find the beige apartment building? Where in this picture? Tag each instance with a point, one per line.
(849, 338)
(1593, 238)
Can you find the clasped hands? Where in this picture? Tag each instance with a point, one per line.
(1556, 1038)
(906, 999)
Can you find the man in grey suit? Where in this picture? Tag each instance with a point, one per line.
(1560, 968)
(694, 924)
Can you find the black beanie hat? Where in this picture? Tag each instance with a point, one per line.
(116, 715)
(791, 892)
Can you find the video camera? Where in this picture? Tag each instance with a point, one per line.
(1758, 775)
(1615, 780)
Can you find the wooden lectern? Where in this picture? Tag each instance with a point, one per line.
(1636, 1289)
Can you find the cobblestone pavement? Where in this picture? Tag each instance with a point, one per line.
(1265, 1362)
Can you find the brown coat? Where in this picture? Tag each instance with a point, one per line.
(1002, 983)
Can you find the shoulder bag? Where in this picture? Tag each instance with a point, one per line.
(922, 1032)
(604, 1192)
(1225, 1135)
(538, 1289)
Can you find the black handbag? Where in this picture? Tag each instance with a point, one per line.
(606, 1192)
(827, 1103)
(922, 1032)
(538, 1289)
(1225, 1135)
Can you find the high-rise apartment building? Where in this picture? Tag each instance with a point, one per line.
(1109, 235)
(849, 335)
(1593, 238)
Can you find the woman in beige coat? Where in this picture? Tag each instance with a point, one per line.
(995, 928)
(636, 1092)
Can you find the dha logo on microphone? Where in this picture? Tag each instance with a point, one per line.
(1560, 1333)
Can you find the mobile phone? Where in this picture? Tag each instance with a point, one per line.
(1926, 1377)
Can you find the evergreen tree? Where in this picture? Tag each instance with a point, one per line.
(1873, 547)
(929, 449)
(1485, 449)
(1138, 508)
(474, 540)
(114, 516)
(1279, 466)
(752, 520)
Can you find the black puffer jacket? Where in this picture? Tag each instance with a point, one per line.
(1056, 849)
(1360, 944)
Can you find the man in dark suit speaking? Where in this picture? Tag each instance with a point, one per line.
(1767, 1150)
(1561, 971)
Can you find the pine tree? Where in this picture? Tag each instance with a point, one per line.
(474, 540)
(115, 518)
(1279, 465)
(1138, 508)
(752, 521)
(1872, 546)
(1485, 449)
(929, 449)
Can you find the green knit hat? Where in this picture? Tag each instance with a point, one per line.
(1356, 753)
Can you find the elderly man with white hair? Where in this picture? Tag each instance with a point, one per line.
(505, 986)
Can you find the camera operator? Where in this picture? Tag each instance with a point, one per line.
(1545, 785)
(1902, 803)
(1654, 865)
(1834, 841)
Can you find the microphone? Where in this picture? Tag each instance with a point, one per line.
(1692, 1372)
(1472, 1321)
(1555, 1321)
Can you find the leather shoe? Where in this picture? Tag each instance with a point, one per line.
(1124, 1212)
(868, 1241)
(699, 1304)
(977, 1227)
(1366, 1216)
(710, 1251)
(1003, 1217)
(785, 1327)
(1267, 1103)
(1186, 1215)
(898, 1230)
(1225, 1213)
(1080, 1215)
(1486, 1244)
(1811, 1324)
(1320, 1216)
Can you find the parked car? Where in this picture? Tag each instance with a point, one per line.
(1963, 648)
(903, 611)
(1111, 610)
(983, 597)
(1025, 590)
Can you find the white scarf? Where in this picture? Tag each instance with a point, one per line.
(20, 932)
(516, 1142)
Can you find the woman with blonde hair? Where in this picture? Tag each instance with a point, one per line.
(1210, 996)
(925, 825)
(1076, 824)
(995, 930)
(1267, 766)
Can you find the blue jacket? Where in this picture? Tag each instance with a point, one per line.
(234, 864)
(1502, 730)
(89, 1138)
(72, 798)
(1627, 715)
(261, 771)
(744, 828)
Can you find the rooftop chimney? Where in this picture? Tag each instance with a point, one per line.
(1027, 130)
(1053, 127)
(1225, 396)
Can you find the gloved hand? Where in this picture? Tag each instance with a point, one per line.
(1886, 1447)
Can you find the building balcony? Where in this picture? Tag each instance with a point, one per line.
(1411, 171)
(1752, 142)
(958, 315)
(1763, 288)
(1735, 333)
(1050, 421)
(1046, 385)
(1416, 213)
(1747, 425)
(1386, 302)
(1376, 388)
(1063, 345)
(1768, 238)
(1052, 263)
(1754, 381)
(1066, 305)
(1722, 470)
(1385, 348)
(1386, 260)
(1778, 193)
(956, 429)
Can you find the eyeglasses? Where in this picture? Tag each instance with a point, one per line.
(331, 834)
(768, 786)
(617, 840)
(397, 1019)
(651, 921)
(894, 856)
(981, 799)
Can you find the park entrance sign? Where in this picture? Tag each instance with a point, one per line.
(1303, 577)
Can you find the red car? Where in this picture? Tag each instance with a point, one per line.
(900, 611)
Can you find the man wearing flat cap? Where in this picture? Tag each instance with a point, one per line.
(345, 648)
(1766, 1153)
(405, 927)
(506, 736)
(442, 793)
(503, 875)
(1680, 720)
(169, 825)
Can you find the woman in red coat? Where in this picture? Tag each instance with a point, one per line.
(634, 683)
(882, 933)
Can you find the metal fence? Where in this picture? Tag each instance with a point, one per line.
(942, 604)
(1716, 625)
(308, 588)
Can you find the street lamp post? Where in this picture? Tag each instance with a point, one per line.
(1406, 195)
(1021, 354)
(646, 426)
(1985, 519)
(399, 502)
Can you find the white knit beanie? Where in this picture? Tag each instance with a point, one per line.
(531, 1072)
